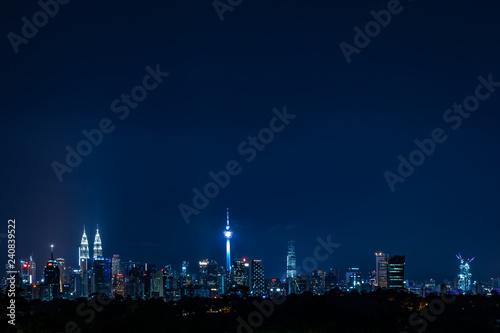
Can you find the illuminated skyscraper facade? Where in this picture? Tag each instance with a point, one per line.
(102, 275)
(97, 245)
(212, 278)
(257, 283)
(52, 277)
(203, 272)
(396, 272)
(318, 278)
(83, 258)
(228, 234)
(353, 279)
(465, 276)
(83, 252)
(291, 261)
(32, 270)
(240, 272)
(381, 269)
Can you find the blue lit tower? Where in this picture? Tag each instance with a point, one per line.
(228, 234)
(465, 277)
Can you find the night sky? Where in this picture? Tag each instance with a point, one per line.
(323, 174)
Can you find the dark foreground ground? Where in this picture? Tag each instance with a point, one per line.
(381, 311)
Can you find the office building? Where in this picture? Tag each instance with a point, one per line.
(396, 272)
(318, 280)
(291, 261)
(381, 269)
(257, 283)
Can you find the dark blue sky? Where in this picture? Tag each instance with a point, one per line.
(322, 175)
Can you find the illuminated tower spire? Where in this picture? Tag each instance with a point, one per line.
(228, 234)
(84, 246)
(97, 245)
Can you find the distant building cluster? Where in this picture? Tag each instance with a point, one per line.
(242, 276)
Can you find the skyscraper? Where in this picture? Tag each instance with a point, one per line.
(240, 272)
(83, 258)
(212, 281)
(102, 275)
(83, 252)
(332, 279)
(318, 282)
(62, 273)
(97, 245)
(116, 276)
(291, 261)
(257, 284)
(381, 269)
(25, 274)
(353, 278)
(203, 272)
(52, 276)
(465, 277)
(32, 270)
(395, 272)
(228, 234)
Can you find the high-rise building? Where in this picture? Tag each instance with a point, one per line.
(118, 285)
(353, 279)
(32, 270)
(52, 276)
(396, 272)
(318, 278)
(116, 264)
(291, 261)
(102, 275)
(381, 269)
(115, 270)
(83, 253)
(97, 245)
(203, 272)
(228, 234)
(62, 271)
(275, 287)
(240, 272)
(299, 284)
(25, 275)
(332, 279)
(257, 284)
(157, 285)
(83, 259)
(212, 278)
(465, 276)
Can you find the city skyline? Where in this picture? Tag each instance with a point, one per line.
(389, 148)
(290, 268)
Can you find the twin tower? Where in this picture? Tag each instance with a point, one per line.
(84, 249)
